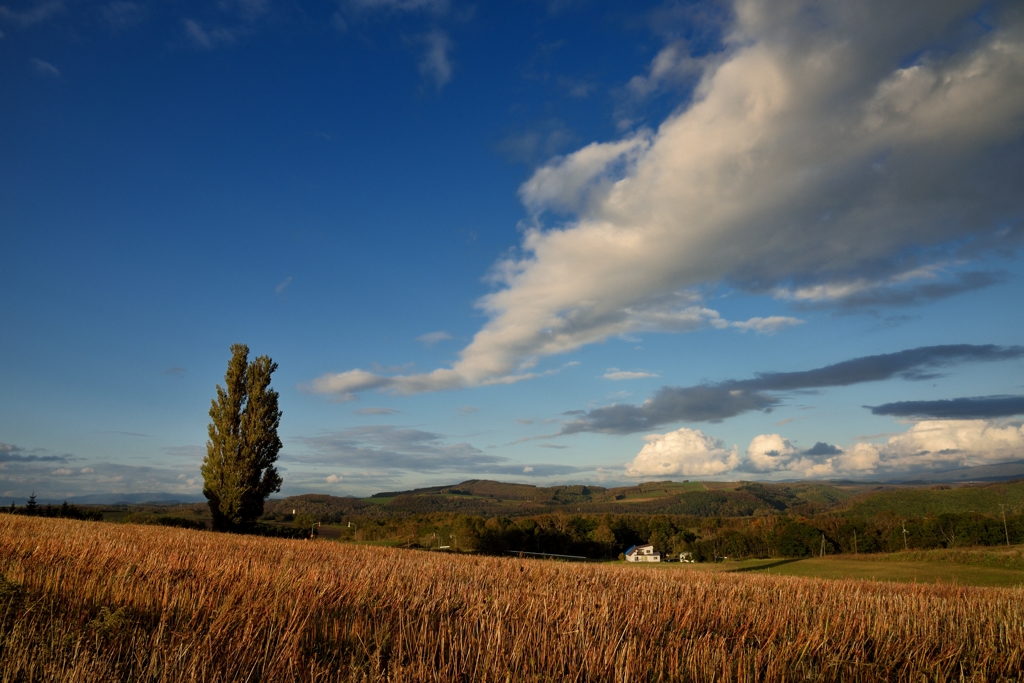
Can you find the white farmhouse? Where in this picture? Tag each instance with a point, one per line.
(642, 553)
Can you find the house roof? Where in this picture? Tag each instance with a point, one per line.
(638, 548)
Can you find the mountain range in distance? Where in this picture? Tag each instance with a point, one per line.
(980, 473)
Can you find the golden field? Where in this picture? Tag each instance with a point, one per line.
(102, 602)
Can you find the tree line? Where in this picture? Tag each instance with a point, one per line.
(64, 511)
(706, 538)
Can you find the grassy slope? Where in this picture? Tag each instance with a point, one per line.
(968, 567)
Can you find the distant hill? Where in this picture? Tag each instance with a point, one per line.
(493, 499)
(937, 499)
(998, 472)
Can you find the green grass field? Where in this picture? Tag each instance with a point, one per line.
(968, 567)
(913, 502)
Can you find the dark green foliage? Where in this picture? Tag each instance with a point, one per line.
(238, 471)
(322, 507)
(164, 520)
(64, 511)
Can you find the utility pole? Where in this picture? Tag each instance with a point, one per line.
(822, 546)
(1002, 508)
(854, 541)
(355, 533)
(905, 547)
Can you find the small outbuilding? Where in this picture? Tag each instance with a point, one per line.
(642, 553)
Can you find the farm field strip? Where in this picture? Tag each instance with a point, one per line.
(89, 602)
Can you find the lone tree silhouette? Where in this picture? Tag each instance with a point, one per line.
(238, 471)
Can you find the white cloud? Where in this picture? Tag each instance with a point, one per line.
(768, 452)
(616, 374)
(769, 325)
(436, 64)
(683, 452)
(940, 443)
(671, 65)
(334, 479)
(810, 153)
(527, 469)
(926, 446)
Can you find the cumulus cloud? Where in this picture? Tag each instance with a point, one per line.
(933, 445)
(822, 448)
(812, 152)
(716, 402)
(938, 444)
(682, 452)
(769, 452)
(955, 408)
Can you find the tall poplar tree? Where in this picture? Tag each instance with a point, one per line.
(238, 471)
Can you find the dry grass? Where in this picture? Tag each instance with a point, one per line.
(102, 602)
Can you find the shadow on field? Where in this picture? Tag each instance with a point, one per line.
(763, 566)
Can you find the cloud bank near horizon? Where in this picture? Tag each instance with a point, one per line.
(932, 445)
(830, 155)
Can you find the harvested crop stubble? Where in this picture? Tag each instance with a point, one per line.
(92, 602)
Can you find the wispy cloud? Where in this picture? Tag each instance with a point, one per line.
(121, 15)
(207, 38)
(376, 411)
(176, 371)
(45, 68)
(976, 407)
(716, 402)
(436, 63)
(36, 13)
(616, 374)
(11, 453)
(384, 448)
(282, 286)
(431, 338)
(435, 6)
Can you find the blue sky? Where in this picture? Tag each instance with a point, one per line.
(563, 241)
